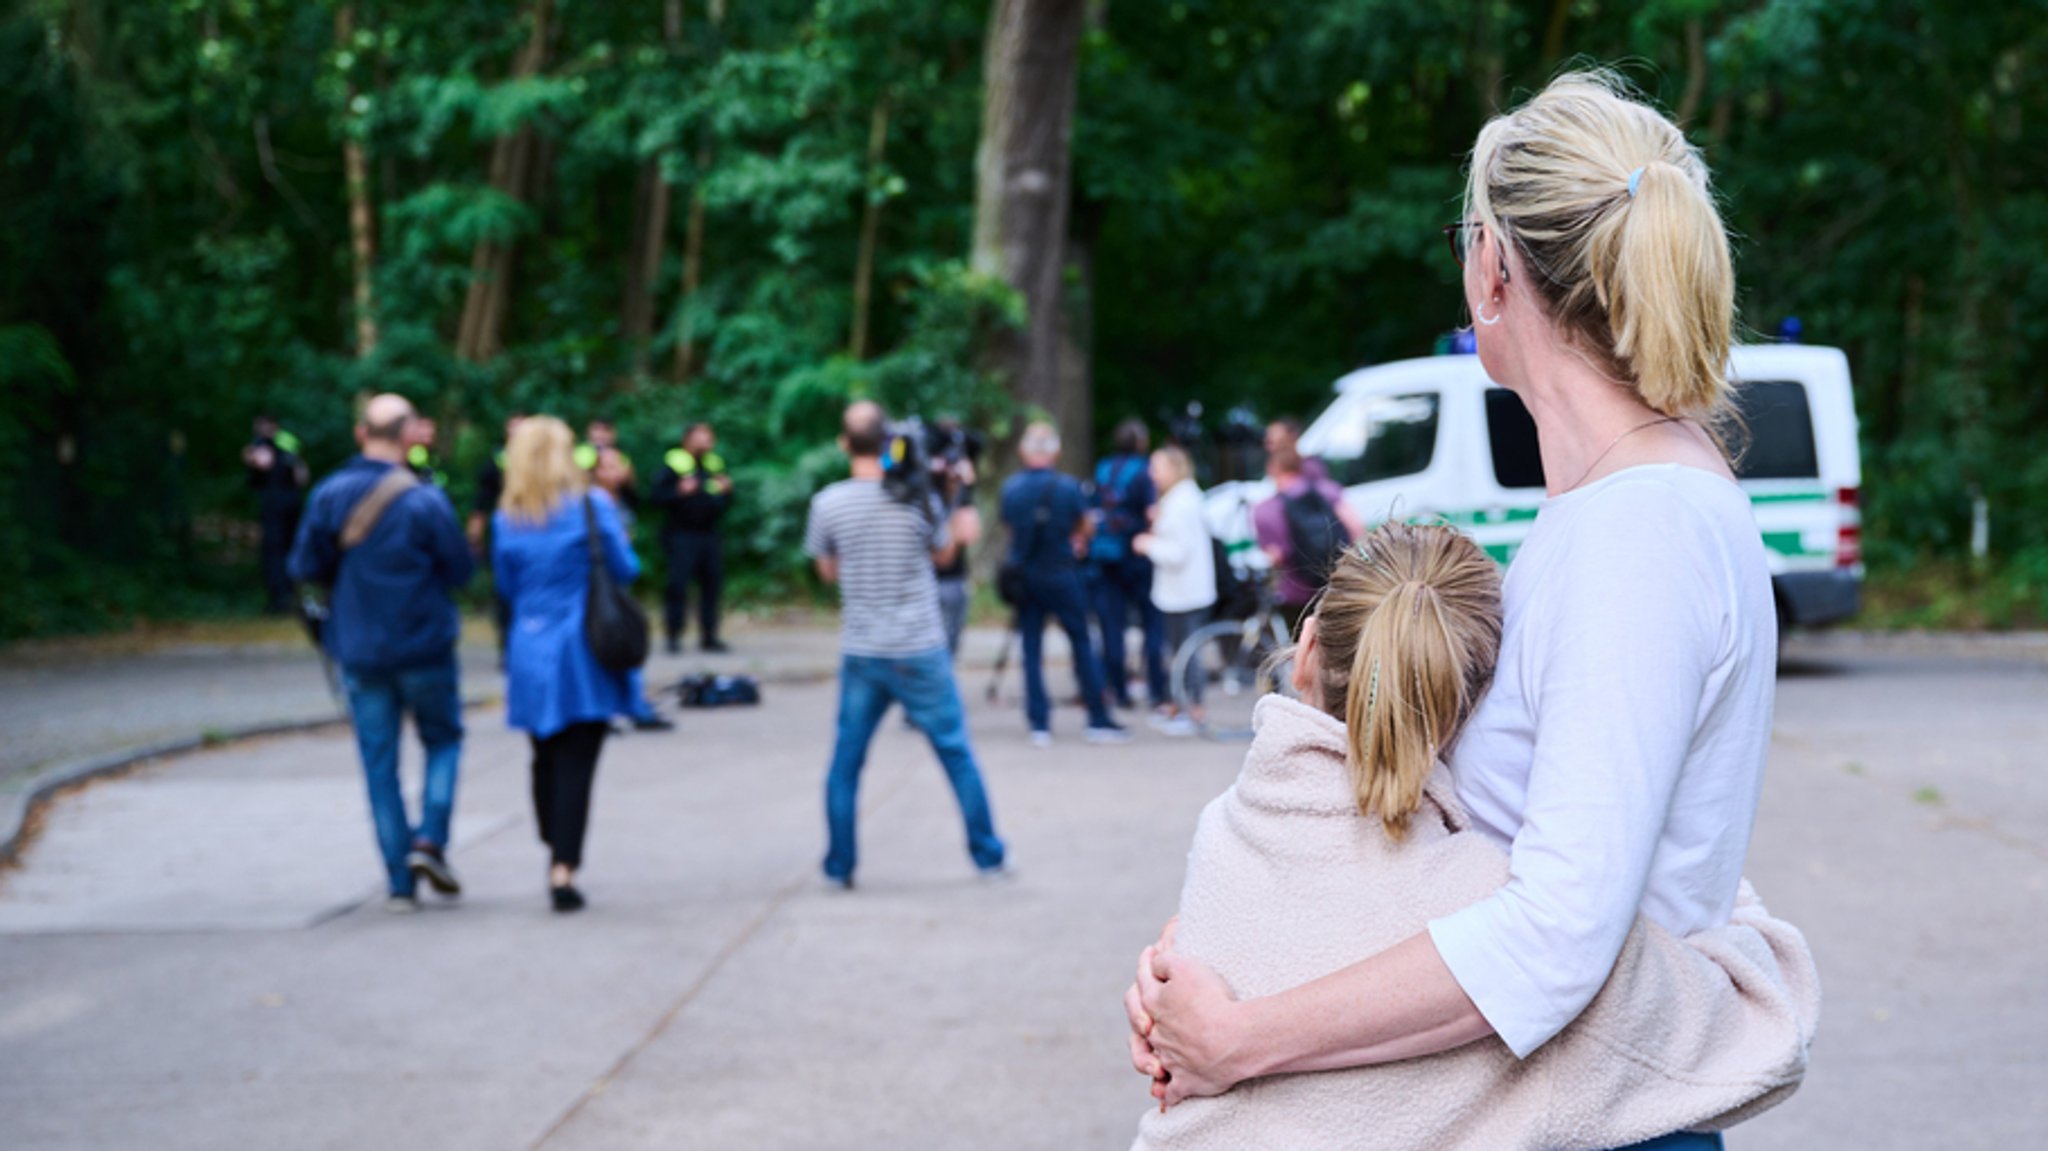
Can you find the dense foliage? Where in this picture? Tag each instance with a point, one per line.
(1257, 188)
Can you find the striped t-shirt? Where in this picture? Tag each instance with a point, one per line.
(889, 598)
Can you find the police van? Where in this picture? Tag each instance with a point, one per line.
(1434, 439)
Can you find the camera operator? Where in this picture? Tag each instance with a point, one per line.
(877, 536)
(955, 452)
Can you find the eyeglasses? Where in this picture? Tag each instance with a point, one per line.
(1459, 236)
(1462, 235)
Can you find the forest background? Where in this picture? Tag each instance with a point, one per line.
(747, 211)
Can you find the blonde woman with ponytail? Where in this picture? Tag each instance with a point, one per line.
(1617, 755)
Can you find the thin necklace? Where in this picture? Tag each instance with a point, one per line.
(1616, 442)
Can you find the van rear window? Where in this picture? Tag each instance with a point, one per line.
(1778, 441)
(1387, 437)
(1512, 436)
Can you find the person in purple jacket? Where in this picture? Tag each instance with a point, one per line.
(555, 690)
(391, 550)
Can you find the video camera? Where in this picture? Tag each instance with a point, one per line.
(923, 464)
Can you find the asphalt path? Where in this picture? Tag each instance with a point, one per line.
(191, 955)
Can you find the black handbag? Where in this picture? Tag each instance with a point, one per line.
(614, 623)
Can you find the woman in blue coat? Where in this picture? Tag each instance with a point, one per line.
(555, 690)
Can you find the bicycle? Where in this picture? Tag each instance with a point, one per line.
(1238, 662)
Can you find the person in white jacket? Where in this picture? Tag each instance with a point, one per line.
(1183, 570)
(1343, 835)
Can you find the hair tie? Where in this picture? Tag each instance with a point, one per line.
(1634, 178)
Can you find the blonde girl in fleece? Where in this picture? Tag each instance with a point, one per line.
(1618, 755)
(1343, 836)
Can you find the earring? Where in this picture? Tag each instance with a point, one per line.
(1481, 317)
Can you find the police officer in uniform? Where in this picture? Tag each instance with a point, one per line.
(278, 475)
(693, 490)
(420, 435)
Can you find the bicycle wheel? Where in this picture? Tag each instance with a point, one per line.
(1222, 671)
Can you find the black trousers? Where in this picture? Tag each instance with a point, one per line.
(697, 557)
(278, 525)
(564, 766)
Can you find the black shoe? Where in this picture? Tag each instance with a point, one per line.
(566, 897)
(427, 862)
(714, 647)
(675, 646)
(653, 723)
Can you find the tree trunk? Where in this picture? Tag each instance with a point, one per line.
(362, 223)
(870, 230)
(652, 198)
(1695, 72)
(513, 172)
(693, 244)
(1022, 182)
(1076, 411)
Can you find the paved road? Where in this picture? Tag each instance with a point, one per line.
(184, 961)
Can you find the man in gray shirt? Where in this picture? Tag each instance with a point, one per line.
(892, 647)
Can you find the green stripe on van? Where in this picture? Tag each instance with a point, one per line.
(1789, 498)
(1790, 544)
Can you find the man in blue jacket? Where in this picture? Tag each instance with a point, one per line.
(391, 550)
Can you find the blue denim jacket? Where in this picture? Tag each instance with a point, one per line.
(389, 608)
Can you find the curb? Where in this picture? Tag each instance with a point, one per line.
(44, 785)
(47, 783)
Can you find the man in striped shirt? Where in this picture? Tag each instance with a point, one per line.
(880, 551)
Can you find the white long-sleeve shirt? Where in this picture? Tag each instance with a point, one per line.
(1619, 753)
(1183, 563)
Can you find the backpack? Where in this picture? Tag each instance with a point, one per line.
(1120, 521)
(1314, 535)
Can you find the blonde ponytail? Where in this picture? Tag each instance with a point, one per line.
(1409, 629)
(1613, 215)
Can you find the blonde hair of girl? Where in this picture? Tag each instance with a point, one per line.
(540, 470)
(1409, 631)
(1178, 465)
(1613, 215)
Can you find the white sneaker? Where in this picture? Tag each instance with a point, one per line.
(1041, 739)
(1159, 720)
(1110, 734)
(1001, 873)
(1180, 727)
(402, 904)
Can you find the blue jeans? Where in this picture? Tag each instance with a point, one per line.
(1058, 594)
(1119, 586)
(931, 700)
(1682, 1141)
(378, 701)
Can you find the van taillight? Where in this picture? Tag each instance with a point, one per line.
(1849, 535)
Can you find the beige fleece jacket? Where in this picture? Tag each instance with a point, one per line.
(1287, 882)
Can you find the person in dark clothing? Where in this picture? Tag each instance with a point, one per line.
(277, 474)
(693, 491)
(490, 488)
(1120, 579)
(421, 454)
(391, 550)
(1046, 513)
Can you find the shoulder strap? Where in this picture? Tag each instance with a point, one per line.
(363, 517)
